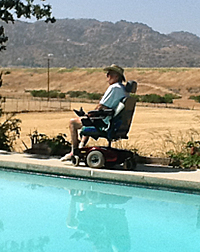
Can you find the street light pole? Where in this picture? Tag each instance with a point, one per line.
(48, 67)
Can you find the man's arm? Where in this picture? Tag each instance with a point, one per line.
(100, 107)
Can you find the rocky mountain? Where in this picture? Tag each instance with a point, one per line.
(91, 43)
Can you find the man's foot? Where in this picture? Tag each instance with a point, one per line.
(81, 145)
(67, 157)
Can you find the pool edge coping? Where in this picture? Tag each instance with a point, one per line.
(109, 176)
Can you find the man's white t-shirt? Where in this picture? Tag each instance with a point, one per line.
(113, 95)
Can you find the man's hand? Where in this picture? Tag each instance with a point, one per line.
(100, 107)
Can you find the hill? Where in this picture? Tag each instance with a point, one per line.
(91, 43)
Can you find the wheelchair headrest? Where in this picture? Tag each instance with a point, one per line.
(131, 86)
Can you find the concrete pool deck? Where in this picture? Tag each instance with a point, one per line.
(150, 175)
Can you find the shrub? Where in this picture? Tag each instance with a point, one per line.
(84, 94)
(44, 93)
(94, 96)
(39, 93)
(154, 98)
(58, 144)
(137, 97)
(196, 98)
(9, 132)
(53, 94)
(188, 158)
(9, 129)
(77, 94)
(62, 95)
(168, 98)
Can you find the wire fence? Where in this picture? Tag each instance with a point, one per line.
(22, 105)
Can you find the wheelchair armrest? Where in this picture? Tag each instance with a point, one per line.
(101, 113)
(93, 121)
(79, 112)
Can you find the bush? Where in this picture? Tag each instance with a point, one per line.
(44, 93)
(154, 98)
(9, 132)
(169, 98)
(76, 94)
(62, 95)
(84, 94)
(39, 93)
(188, 158)
(94, 96)
(53, 94)
(58, 145)
(196, 98)
(137, 97)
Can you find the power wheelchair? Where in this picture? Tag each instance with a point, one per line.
(118, 127)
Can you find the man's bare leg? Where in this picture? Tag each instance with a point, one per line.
(74, 125)
(84, 141)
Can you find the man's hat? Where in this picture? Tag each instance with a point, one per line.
(116, 69)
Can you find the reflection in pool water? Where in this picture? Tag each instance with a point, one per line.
(48, 214)
(97, 218)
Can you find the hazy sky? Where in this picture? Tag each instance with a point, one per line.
(164, 16)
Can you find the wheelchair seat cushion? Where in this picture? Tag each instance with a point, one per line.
(92, 131)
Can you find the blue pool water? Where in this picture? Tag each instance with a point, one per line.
(45, 214)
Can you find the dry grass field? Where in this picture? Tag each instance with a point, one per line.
(154, 130)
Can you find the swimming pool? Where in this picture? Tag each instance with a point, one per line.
(39, 213)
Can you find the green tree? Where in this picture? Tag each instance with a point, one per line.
(9, 11)
(12, 9)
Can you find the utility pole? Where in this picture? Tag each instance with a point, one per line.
(48, 67)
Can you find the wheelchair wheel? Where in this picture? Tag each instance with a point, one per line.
(95, 159)
(129, 164)
(75, 160)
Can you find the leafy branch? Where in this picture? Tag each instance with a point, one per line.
(11, 8)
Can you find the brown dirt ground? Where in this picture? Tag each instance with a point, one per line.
(154, 130)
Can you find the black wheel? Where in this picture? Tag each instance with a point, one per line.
(95, 159)
(129, 164)
(75, 160)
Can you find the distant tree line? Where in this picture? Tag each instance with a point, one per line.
(149, 98)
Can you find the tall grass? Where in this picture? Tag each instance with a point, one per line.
(163, 143)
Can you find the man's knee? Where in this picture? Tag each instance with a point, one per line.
(75, 123)
(72, 120)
